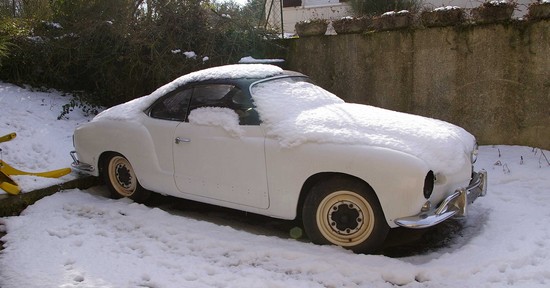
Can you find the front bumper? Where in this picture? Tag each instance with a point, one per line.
(80, 166)
(454, 205)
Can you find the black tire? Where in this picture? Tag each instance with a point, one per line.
(121, 179)
(344, 211)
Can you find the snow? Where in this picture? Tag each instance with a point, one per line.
(498, 2)
(301, 112)
(132, 109)
(36, 39)
(447, 8)
(43, 143)
(190, 54)
(252, 60)
(53, 25)
(217, 116)
(82, 239)
(393, 13)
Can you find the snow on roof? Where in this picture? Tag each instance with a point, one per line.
(302, 112)
(252, 60)
(131, 109)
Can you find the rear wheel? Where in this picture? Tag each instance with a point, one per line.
(344, 211)
(121, 179)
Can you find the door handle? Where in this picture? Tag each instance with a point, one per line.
(180, 140)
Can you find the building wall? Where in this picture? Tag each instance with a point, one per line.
(292, 15)
(493, 80)
(335, 9)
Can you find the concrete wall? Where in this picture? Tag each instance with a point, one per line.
(336, 9)
(493, 80)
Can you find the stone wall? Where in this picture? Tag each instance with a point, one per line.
(493, 80)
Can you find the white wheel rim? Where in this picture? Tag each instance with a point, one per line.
(345, 218)
(122, 176)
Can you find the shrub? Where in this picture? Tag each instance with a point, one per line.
(114, 50)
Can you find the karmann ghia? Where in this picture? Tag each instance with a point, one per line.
(261, 139)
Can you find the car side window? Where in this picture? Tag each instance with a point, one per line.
(210, 96)
(172, 107)
(226, 96)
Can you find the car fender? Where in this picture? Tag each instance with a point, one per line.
(397, 178)
(97, 137)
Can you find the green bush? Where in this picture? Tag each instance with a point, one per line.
(3, 48)
(111, 51)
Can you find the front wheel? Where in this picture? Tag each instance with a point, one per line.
(121, 179)
(345, 212)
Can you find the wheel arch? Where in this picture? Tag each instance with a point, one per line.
(323, 177)
(103, 157)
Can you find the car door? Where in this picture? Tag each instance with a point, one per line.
(218, 158)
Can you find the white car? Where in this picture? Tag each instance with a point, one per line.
(257, 138)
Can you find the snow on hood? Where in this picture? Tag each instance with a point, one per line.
(131, 109)
(301, 112)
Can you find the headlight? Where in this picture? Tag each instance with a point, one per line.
(474, 153)
(429, 184)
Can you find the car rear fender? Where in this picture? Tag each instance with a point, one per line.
(95, 139)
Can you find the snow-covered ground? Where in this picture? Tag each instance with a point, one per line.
(82, 239)
(43, 142)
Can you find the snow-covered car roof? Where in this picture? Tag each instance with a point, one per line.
(128, 110)
(297, 112)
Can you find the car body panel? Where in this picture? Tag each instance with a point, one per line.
(217, 165)
(397, 178)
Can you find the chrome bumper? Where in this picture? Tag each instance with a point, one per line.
(80, 166)
(454, 205)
